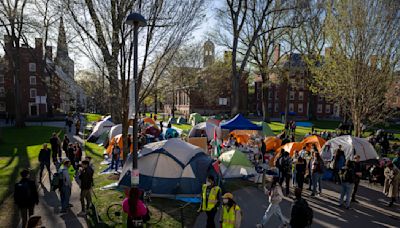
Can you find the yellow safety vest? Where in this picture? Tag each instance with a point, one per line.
(71, 172)
(208, 205)
(229, 217)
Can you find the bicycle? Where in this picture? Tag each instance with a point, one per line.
(114, 211)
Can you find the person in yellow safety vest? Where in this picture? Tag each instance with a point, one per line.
(231, 216)
(210, 200)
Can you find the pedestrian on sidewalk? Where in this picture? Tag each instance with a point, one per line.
(44, 161)
(295, 159)
(317, 167)
(231, 215)
(86, 179)
(67, 173)
(300, 172)
(338, 162)
(77, 126)
(301, 214)
(55, 146)
(285, 169)
(347, 177)
(391, 186)
(78, 154)
(275, 196)
(358, 174)
(71, 153)
(210, 200)
(135, 208)
(69, 123)
(26, 196)
(65, 144)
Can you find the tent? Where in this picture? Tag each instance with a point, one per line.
(212, 126)
(148, 120)
(266, 129)
(170, 167)
(198, 130)
(116, 130)
(272, 143)
(240, 123)
(172, 120)
(99, 129)
(102, 138)
(181, 120)
(153, 130)
(171, 133)
(313, 140)
(107, 118)
(351, 146)
(117, 140)
(195, 118)
(235, 164)
(290, 147)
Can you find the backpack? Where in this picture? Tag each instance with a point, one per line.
(284, 164)
(57, 181)
(22, 193)
(347, 176)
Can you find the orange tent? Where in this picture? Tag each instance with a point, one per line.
(149, 121)
(313, 140)
(117, 140)
(288, 147)
(272, 143)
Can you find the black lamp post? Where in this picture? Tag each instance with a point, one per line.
(137, 20)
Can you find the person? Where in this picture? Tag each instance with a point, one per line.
(357, 177)
(77, 126)
(35, 221)
(275, 196)
(396, 160)
(155, 117)
(347, 177)
(210, 200)
(71, 153)
(391, 185)
(308, 177)
(26, 196)
(65, 144)
(303, 152)
(300, 172)
(44, 161)
(135, 208)
(67, 173)
(130, 141)
(295, 158)
(55, 146)
(316, 173)
(285, 164)
(231, 216)
(338, 163)
(301, 213)
(86, 178)
(89, 159)
(78, 153)
(116, 151)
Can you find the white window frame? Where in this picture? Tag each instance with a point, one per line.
(301, 95)
(32, 67)
(300, 108)
(291, 95)
(1, 78)
(319, 108)
(328, 108)
(30, 93)
(30, 80)
(2, 106)
(291, 107)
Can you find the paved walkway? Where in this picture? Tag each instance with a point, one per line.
(369, 212)
(49, 202)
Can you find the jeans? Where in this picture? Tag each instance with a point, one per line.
(114, 161)
(273, 209)
(25, 213)
(65, 194)
(346, 190)
(86, 194)
(211, 217)
(316, 180)
(286, 177)
(42, 166)
(294, 173)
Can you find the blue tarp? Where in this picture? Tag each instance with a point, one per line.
(304, 124)
(240, 123)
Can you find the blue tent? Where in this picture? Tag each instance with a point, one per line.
(170, 167)
(240, 123)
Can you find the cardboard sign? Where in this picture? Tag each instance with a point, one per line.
(135, 177)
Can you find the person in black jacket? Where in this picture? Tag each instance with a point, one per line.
(26, 196)
(44, 161)
(301, 214)
(55, 146)
(86, 178)
(358, 175)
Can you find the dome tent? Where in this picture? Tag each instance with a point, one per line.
(197, 130)
(170, 167)
(351, 146)
(240, 123)
(116, 130)
(99, 129)
(235, 164)
(316, 140)
(195, 118)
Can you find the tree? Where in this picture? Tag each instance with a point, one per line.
(364, 56)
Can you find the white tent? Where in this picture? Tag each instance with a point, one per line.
(100, 128)
(208, 129)
(197, 129)
(116, 130)
(235, 164)
(351, 146)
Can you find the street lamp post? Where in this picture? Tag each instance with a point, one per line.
(137, 20)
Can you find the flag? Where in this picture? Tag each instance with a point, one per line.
(217, 146)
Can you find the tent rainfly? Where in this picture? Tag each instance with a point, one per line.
(116, 130)
(235, 164)
(240, 123)
(99, 129)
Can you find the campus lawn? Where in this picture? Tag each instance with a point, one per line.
(91, 117)
(171, 215)
(19, 149)
(184, 127)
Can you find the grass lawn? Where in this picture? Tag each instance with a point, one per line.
(171, 216)
(91, 117)
(184, 127)
(19, 149)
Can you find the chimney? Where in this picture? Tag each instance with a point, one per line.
(39, 43)
(277, 53)
(49, 52)
(373, 59)
(328, 51)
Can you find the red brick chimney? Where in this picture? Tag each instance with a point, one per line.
(277, 53)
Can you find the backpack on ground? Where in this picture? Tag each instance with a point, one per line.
(57, 181)
(22, 193)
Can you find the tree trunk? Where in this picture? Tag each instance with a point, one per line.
(19, 118)
(155, 101)
(235, 102)
(114, 93)
(287, 104)
(264, 99)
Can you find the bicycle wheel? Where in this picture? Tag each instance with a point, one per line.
(155, 215)
(114, 213)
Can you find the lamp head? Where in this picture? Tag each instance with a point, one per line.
(136, 18)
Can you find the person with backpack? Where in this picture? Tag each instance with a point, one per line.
(66, 175)
(210, 200)
(115, 153)
(44, 161)
(285, 169)
(301, 214)
(347, 177)
(317, 169)
(26, 196)
(231, 216)
(135, 208)
(86, 179)
(275, 196)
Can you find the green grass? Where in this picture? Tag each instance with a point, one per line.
(184, 127)
(91, 117)
(171, 216)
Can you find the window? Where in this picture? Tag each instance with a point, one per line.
(291, 107)
(2, 106)
(32, 93)
(320, 98)
(301, 96)
(32, 67)
(2, 92)
(300, 108)
(269, 107)
(223, 101)
(1, 78)
(32, 80)
(327, 108)
(270, 94)
(302, 84)
(291, 95)
(276, 107)
(319, 108)
(276, 95)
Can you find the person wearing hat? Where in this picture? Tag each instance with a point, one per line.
(210, 200)
(231, 216)
(67, 174)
